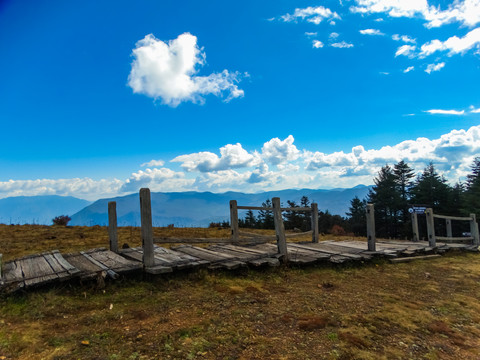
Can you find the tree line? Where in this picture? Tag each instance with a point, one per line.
(396, 189)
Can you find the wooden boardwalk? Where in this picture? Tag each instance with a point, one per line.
(51, 267)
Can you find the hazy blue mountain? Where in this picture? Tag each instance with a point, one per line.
(201, 208)
(38, 209)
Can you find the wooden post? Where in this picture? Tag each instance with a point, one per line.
(416, 237)
(112, 226)
(474, 229)
(279, 229)
(448, 223)
(234, 220)
(147, 229)
(432, 241)
(314, 223)
(371, 227)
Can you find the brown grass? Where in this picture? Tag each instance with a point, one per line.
(376, 311)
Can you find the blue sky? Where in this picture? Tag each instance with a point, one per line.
(223, 95)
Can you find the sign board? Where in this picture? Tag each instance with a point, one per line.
(417, 209)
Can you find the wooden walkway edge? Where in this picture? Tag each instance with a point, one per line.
(50, 267)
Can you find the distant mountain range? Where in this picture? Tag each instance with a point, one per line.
(183, 209)
(38, 209)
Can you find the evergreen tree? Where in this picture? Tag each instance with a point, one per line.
(386, 198)
(357, 217)
(432, 190)
(293, 219)
(403, 178)
(265, 217)
(472, 191)
(250, 220)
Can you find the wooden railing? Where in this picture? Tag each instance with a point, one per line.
(432, 237)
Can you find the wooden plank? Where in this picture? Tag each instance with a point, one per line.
(326, 248)
(61, 272)
(115, 262)
(234, 220)
(217, 260)
(181, 256)
(448, 224)
(269, 261)
(112, 226)
(371, 238)
(271, 208)
(132, 253)
(109, 271)
(416, 236)
(250, 258)
(430, 227)
(251, 250)
(13, 272)
(315, 223)
(453, 239)
(413, 258)
(459, 218)
(36, 271)
(279, 229)
(65, 264)
(147, 229)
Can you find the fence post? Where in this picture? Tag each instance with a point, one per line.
(279, 229)
(370, 212)
(234, 220)
(474, 229)
(432, 241)
(147, 229)
(112, 226)
(314, 222)
(416, 237)
(448, 223)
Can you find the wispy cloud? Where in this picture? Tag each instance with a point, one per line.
(404, 38)
(408, 69)
(341, 45)
(167, 71)
(434, 67)
(445, 112)
(406, 50)
(313, 14)
(371, 32)
(153, 163)
(454, 45)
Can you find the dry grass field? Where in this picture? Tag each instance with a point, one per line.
(420, 310)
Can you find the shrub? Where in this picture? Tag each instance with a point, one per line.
(337, 230)
(61, 220)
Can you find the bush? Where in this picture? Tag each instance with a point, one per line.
(337, 230)
(61, 220)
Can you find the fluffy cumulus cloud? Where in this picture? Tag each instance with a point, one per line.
(465, 12)
(408, 69)
(279, 165)
(406, 50)
(162, 179)
(153, 163)
(278, 151)
(85, 188)
(231, 156)
(434, 67)
(317, 44)
(168, 71)
(313, 14)
(454, 45)
(371, 32)
(404, 38)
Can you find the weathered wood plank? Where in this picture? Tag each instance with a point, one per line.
(217, 260)
(314, 222)
(57, 268)
(234, 220)
(109, 271)
(253, 250)
(13, 272)
(279, 229)
(65, 264)
(112, 226)
(371, 238)
(36, 270)
(326, 248)
(459, 218)
(413, 258)
(147, 229)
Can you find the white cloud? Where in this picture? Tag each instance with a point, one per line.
(334, 35)
(404, 38)
(408, 69)
(341, 45)
(406, 50)
(454, 45)
(167, 71)
(371, 32)
(311, 33)
(434, 67)
(445, 112)
(278, 151)
(153, 163)
(465, 12)
(231, 156)
(85, 188)
(474, 111)
(157, 180)
(317, 44)
(311, 14)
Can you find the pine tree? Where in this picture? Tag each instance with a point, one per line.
(250, 220)
(472, 189)
(403, 178)
(386, 198)
(265, 217)
(357, 217)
